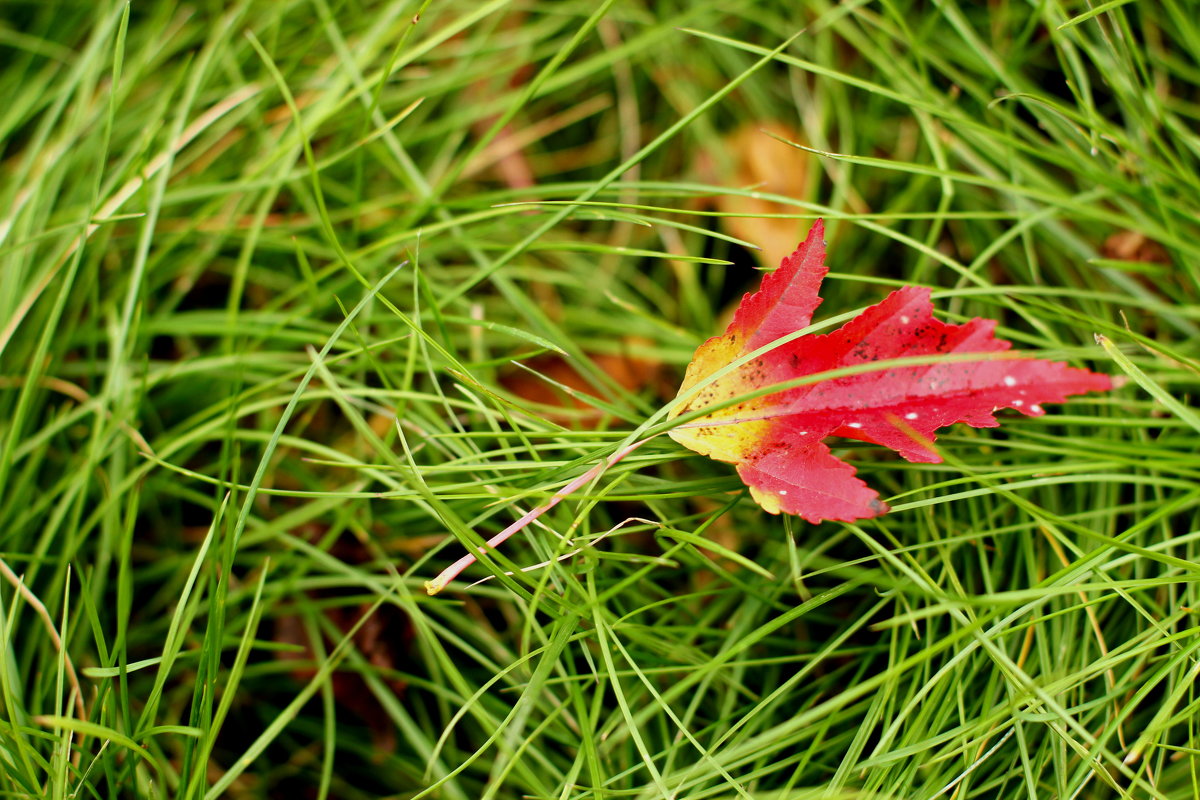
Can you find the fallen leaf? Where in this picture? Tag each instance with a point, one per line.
(382, 640)
(754, 158)
(1134, 246)
(771, 167)
(777, 440)
(539, 382)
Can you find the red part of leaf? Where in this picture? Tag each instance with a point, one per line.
(776, 439)
(788, 296)
(811, 482)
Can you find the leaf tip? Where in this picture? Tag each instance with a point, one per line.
(818, 230)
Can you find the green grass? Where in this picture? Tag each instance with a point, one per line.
(265, 269)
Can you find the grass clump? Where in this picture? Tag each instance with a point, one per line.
(298, 299)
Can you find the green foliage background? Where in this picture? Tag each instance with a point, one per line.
(266, 267)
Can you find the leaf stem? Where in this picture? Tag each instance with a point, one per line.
(451, 572)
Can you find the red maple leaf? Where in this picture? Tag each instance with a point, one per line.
(777, 440)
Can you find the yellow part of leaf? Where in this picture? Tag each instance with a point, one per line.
(740, 428)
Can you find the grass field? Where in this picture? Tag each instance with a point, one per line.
(300, 299)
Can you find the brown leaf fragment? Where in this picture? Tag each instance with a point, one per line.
(1134, 246)
(536, 384)
(766, 166)
(382, 640)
